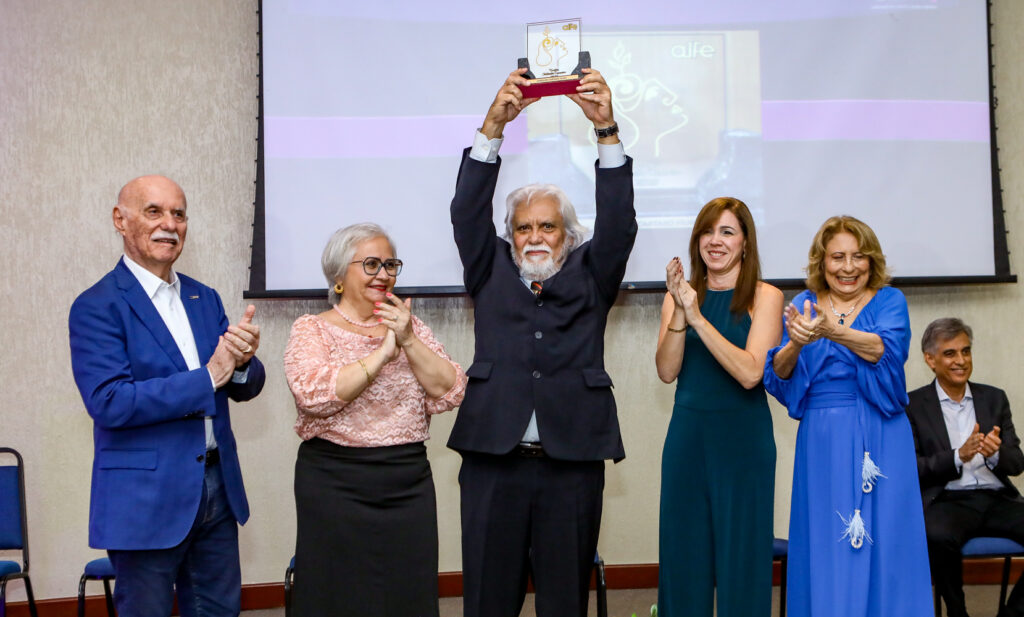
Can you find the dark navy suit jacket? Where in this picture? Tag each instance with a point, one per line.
(541, 353)
(148, 409)
(935, 464)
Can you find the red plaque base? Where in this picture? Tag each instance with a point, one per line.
(550, 88)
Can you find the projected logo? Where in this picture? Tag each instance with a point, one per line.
(631, 91)
(688, 107)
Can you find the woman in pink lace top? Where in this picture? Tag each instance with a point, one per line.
(366, 377)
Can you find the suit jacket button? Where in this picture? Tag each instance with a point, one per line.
(536, 374)
(540, 302)
(538, 334)
(199, 459)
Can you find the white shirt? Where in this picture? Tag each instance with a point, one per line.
(166, 298)
(960, 419)
(486, 151)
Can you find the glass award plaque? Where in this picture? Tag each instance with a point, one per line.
(553, 57)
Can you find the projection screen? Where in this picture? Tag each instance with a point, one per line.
(880, 109)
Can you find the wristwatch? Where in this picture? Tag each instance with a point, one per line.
(607, 131)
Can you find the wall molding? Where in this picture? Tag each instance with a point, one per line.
(625, 576)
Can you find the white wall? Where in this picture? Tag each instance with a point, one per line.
(95, 93)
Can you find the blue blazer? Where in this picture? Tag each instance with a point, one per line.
(148, 409)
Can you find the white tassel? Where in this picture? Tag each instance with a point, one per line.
(869, 473)
(855, 530)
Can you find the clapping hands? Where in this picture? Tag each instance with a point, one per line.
(234, 348)
(986, 445)
(682, 293)
(397, 316)
(807, 327)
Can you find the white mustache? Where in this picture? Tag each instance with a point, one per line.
(160, 234)
(536, 247)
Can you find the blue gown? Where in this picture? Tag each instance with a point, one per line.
(848, 406)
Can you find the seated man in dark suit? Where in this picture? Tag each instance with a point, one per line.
(966, 451)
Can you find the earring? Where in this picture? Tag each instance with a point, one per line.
(339, 288)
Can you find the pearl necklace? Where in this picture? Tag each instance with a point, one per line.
(360, 324)
(842, 316)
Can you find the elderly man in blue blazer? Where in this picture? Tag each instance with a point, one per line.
(156, 360)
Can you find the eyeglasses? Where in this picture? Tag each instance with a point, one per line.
(372, 265)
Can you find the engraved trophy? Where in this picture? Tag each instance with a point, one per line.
(554, 58)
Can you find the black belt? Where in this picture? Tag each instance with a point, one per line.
(530, 450)
(212, 457)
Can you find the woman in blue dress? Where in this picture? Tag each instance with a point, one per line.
(857, 544)
(718, 465)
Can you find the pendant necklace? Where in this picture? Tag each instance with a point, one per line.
(842, 316)
(357, 323)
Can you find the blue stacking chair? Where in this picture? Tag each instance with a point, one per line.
(780, 553)
(987, 547)
(14, 529)
(97, 570)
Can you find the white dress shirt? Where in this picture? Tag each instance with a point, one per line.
(486, 151)
(166, 298)
(960, 419)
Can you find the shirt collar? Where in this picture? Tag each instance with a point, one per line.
(150, 282)
(945, 397)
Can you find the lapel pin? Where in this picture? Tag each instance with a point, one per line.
(193, 297)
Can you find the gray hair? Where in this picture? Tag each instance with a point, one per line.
(942, 330)
(575, 232)
(342, 246)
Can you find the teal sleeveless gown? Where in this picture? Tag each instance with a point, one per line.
(717, 484)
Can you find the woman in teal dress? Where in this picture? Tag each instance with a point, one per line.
(718, 465)
(857, 544)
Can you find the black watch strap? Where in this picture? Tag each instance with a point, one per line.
(607, 131)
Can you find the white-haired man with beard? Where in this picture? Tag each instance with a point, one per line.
(539, 419)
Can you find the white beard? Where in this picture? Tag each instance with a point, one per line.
(537, 269)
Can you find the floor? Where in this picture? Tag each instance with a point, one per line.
(981, 601)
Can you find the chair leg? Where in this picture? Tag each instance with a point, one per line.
(31, 598)
(1004, 583)
(110, 598)
(81, 596)
(602, 590)
(288, 581)
(782, 587)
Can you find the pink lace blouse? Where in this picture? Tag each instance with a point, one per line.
(394, 409)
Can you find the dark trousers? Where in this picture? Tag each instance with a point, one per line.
(954, 518)
(204, 567)
(525, 517)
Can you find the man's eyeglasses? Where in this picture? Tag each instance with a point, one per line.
(372, 265)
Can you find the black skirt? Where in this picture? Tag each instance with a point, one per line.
(366, 531)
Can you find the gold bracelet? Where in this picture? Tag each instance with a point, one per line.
(368, 378)
(671, 329)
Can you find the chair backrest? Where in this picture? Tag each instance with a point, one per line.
(13, 525)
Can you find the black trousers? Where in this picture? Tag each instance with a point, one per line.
(528, 517)
(954, 518)
(366, 533)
